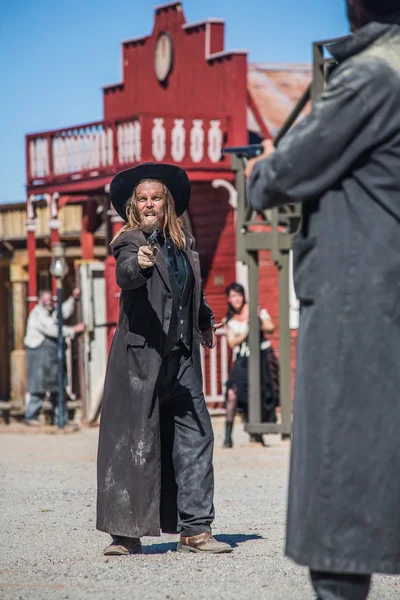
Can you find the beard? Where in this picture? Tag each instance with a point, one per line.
(49, 307)
(150, 226)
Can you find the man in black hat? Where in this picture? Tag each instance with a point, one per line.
(342, 162)
(156, 442)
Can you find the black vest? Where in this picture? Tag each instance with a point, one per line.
(181, 325)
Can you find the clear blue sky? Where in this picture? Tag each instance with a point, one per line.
(56, 56)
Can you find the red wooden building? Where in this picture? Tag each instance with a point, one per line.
(182, 98)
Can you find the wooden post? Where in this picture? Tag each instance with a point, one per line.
(19, 278)
(31, 225)
(54, 226)
(112, 290)
(285, 340)
(254, 402)
(49, 140)
(4, 332)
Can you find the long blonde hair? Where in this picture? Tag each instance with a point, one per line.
(172, 223)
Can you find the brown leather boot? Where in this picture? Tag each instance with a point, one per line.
(121, 546)
(204, 542)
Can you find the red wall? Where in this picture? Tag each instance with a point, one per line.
(212, 222)
(195, 87)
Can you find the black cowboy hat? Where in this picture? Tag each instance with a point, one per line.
(173, 177)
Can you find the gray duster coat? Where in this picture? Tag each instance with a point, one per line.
(129, 461)
(343, 163)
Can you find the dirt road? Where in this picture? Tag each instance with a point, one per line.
(50, 548)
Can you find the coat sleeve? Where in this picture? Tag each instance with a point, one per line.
(128, 273)
(49, 327)
(344, 124)
(206, 315)
(68, 308)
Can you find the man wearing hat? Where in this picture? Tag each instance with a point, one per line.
(155, 467)
(342, 162)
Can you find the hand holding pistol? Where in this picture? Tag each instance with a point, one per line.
(147, 255)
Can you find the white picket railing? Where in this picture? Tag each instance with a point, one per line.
(82, 150)
(215, 366)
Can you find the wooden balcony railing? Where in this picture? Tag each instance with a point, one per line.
(102, 148)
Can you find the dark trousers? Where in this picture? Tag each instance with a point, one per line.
(338, 586)
(36, 402)
(187, 437)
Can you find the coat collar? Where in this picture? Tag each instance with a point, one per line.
(363, 37)
(189, 239)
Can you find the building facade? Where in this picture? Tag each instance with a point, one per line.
(182, 98)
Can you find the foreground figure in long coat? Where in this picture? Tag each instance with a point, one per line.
(156, 442)
(343, 163)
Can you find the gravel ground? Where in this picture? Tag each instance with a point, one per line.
(51, 550)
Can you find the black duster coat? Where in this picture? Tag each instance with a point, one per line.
(129, 460)
(343, 163)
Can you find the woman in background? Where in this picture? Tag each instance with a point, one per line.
(237, 327)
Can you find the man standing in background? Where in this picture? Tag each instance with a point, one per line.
(342, 162)
(41, 350)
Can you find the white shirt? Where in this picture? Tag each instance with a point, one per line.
(42, 323)
(242, 327)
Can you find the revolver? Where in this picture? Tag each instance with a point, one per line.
(248, 152)
(152, 240)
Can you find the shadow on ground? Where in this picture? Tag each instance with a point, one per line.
(233, 539)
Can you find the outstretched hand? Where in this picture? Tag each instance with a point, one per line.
(269, 149)
(79, 328)
(146, 257)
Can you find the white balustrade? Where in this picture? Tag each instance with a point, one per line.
(94, 150)
(138, 141)
(110, 149)
(131, 146)
(129, 142)
(103, 148)
(32, 158)
(214, 141)
(77, 159)
(91, 147)
(197, 141)
(84, 148)
(158, 136)
(44, 158)
(215, 368)
(39, 158)
(121, 143)
(178, 136)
